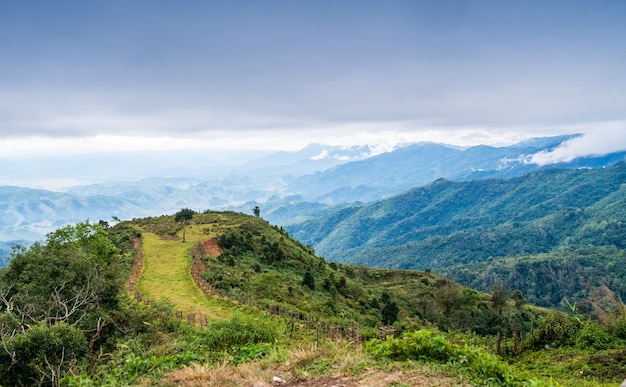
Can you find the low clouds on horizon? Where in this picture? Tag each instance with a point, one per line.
(284, 74)
(593, 143)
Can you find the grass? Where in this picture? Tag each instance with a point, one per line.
(568, 366)
(166, 276)
(338, 363)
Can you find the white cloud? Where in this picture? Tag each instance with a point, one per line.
(323, 155)
(609, 138)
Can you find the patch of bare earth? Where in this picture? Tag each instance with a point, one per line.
(254, 376)
(201, 377)
(375, 379)
(211, 247)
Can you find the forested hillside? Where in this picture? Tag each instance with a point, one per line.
(222, 298)
(446, 224)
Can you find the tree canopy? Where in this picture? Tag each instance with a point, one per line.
(54, 296)
(184, 215)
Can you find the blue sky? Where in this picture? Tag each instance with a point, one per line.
(92, 76)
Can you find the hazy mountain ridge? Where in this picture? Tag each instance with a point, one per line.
(30, 213)
(271, 181)
(419, 164)
(446, 209)
(314, 157)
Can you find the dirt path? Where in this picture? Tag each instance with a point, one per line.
(377, 379)
(137, 268)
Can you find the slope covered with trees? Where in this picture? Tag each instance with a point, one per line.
(447, 224)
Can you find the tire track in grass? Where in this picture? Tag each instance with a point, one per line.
(166, 275)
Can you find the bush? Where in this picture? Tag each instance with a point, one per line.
(42, 354)
(426, 346)
(226, 335)
(593, 336)
(557, 330)
(421, 345)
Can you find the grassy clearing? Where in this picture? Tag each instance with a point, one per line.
(166, 276)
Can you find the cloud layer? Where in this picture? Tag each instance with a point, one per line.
(283, 74)
(593, 143)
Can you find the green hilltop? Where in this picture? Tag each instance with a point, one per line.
(223, 298)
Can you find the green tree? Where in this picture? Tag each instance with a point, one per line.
(390, 312)
(76, 272)
(308, 280)
(498, 297)
(519, 298)
(256, 211)
(41, 355)
(184, 216)
(62, 291)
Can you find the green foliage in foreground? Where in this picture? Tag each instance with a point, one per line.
(167, 344)
(427, 346)
(105, 338)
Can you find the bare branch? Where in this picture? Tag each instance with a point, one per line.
(5, 299)
(3, 337)
(92, 343)
(70, 306)
(53, 373)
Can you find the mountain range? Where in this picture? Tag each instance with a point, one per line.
(467, 229)
(290, 187)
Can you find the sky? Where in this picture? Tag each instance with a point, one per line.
(90, 76)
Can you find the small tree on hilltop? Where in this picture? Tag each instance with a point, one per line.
(256, 211)
(184, 216)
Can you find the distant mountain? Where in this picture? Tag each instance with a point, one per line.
(290, 187)
(27, 214)
(416, 165)
(313, 158)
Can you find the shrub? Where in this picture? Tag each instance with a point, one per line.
(238, 331)
(593, 336)
(42, 353)
(426, 346)
(557, 330)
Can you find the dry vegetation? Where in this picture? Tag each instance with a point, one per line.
(339, 364)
